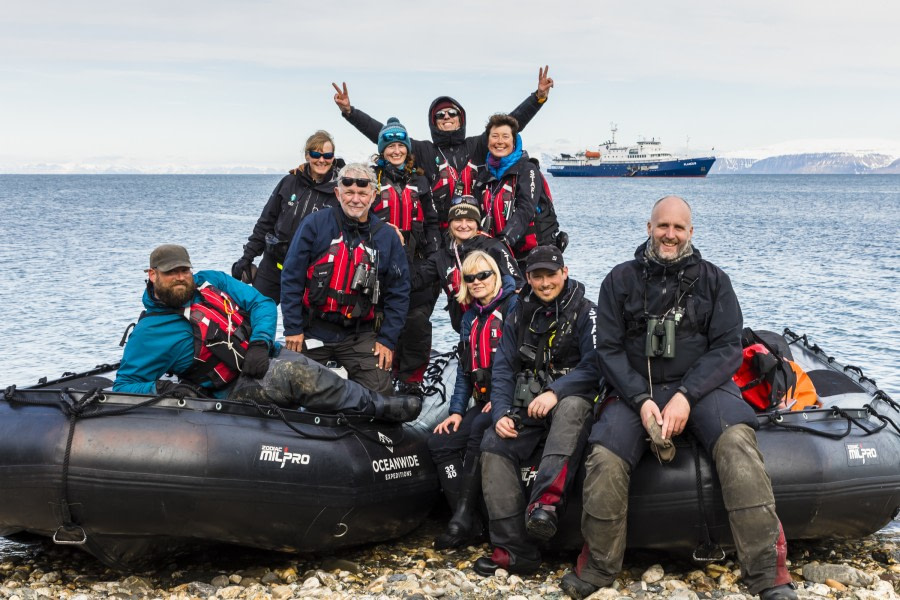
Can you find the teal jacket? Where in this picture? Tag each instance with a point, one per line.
(165, 343)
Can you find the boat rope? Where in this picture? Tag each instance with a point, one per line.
(776, 419)
(707, 550)
(434, 375)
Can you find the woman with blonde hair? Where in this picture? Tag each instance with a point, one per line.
(303, 191)
(455, 442)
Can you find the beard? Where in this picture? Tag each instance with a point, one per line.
(175, 295)
(682, 250)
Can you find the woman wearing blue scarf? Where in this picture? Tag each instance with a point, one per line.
(515, 200)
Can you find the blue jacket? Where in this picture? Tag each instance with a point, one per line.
(311, 241)
(462, 391)
(165, 344)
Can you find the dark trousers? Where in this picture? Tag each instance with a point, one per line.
(465, 441)
(268, 278)
(357, 355)
(296, 380)
(414, 345)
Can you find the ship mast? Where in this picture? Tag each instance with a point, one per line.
(613, 127)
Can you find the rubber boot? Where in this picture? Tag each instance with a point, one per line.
(449, 474)
(465, 525)
(604, 520)
(513, 550)
(399, 408)
(748, 498)
(525, 560)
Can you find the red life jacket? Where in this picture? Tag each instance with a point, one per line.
(399, 208)
(765, 379)
(450, 182)
(484, 339)
(221, 337)
(499, 207)
(329, 280)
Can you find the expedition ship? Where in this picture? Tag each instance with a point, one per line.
(645, 159)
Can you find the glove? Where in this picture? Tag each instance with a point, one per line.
(663, 448)
(256, 361)
(242, 270)
(176, 389)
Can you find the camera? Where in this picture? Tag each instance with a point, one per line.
(660, 341)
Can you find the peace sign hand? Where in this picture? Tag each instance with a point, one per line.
(342, 98)
(545, 82)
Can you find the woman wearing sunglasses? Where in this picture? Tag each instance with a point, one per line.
(304, 190)
(515, 198)
(458, 437)
(404, 201)
(450, 159)
(463, 237)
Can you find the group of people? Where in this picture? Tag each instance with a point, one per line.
(357, 255)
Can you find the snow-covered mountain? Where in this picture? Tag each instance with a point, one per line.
(815, 163)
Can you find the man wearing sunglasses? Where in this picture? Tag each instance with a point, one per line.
(450, 159)
(544, 336)
(668, 298)
(345, 285)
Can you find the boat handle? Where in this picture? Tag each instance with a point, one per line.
(342, 527)
(56, 539)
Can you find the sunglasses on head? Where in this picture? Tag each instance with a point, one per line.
(360, 181)
(481, 276)
(448, 113)
(394, 136)
(325, 155)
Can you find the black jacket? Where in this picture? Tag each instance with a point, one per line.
(707, 341)
(295, 197)
(576, 324)
(428, 236)
(439, 267)
(528, 189)
(452, 146)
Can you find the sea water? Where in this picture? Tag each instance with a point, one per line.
(819, 254)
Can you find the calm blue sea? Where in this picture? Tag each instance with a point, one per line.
(818, 254)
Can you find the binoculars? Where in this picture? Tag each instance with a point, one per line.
(527, 387)
(365, 281)
(660, 341)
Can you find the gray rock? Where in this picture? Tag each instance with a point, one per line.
(847, 575)
(220, 581)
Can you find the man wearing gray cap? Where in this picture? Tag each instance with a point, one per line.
(209, 329)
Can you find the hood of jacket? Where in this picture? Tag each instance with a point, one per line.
(447, 138)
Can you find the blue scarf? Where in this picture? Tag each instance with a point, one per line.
(499, 166)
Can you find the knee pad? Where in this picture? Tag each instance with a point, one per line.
(742, 472)
(606, 485)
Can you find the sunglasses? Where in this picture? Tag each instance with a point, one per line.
(446, 114)
(479, 276)
(394, 136)
(325, 155)
(360, 181)
(457, 200)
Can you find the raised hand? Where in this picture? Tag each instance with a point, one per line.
(342, 98)
(545, 82)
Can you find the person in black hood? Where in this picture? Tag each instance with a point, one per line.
(450, 159)
(303, 191)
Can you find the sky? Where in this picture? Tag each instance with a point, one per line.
(200, 86)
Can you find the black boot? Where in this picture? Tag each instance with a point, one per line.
(465, 525)
(398, 408)
(450, 476)
(575, 587)
(542, 522)
(779, 592)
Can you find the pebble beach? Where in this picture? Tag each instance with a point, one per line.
(866, 569)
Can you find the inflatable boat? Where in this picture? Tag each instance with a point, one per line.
(835, 470)
(128, 478)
